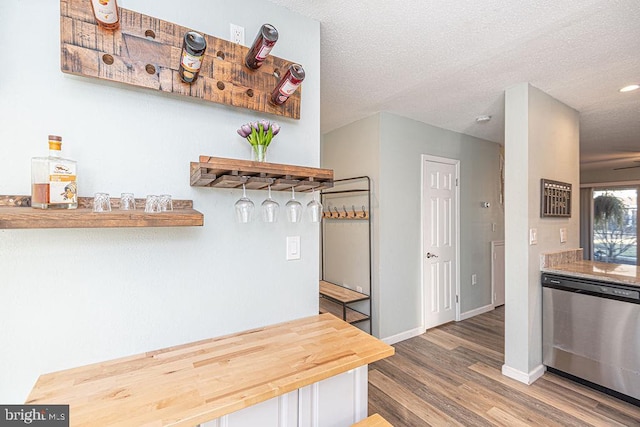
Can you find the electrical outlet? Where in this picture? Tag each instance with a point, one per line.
(237, 34)
(474, 279)
(563, 235)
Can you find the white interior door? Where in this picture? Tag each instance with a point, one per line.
(440, 240)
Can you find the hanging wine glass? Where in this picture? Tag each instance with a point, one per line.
(244, 207)
(314, 208)
(294, 208)
(270, 209)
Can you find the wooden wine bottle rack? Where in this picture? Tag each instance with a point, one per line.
(145, 52)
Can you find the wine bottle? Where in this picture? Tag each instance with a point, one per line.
(106, 13)
(288, 84)
(261, 47)
(53, 179)
(193, 48)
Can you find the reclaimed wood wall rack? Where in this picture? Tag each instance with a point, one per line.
(16, 212)
(145, 52)
(232, 173)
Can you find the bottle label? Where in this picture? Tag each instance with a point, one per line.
(288, 88)
(105, 11)
(190, 62)
(62, 183)
(264, 52)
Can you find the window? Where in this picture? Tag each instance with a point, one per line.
(615, 225)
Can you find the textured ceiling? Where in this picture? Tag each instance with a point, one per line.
(445, 63)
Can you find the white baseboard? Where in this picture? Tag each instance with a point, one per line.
(475, 312)
(403, 336)
(523, 377)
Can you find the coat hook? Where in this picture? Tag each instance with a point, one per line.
(337, 213)
(364, 213)
(353, 210)
(346, 214)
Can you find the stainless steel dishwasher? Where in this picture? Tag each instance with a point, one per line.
(591, 333)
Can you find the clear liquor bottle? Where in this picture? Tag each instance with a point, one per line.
(53, 179)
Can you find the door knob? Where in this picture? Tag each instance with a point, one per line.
(430, 255)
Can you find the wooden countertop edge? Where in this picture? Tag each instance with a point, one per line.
(99, 379)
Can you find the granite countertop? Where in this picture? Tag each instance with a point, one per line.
(614, 273)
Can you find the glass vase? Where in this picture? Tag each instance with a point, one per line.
(259, 153)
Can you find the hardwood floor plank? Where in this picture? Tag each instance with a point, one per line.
(502, 418)
(428, 414)
(451, 375)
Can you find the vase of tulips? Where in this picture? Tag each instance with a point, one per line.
(259, 134)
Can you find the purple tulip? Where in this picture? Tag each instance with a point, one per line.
(245, 130)
(265, 125)
(255, 126)
(275, 128)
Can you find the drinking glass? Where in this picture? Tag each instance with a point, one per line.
(127, 202)
(101, 202)
(244, 207)
(270, 209)
(314, 208)
(166, 204)
(294, 208)
(152, 204)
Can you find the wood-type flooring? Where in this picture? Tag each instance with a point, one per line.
(451, 376)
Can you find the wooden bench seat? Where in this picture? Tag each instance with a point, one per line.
(374, 420)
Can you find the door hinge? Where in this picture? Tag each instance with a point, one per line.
(456, 299)
(456, 182)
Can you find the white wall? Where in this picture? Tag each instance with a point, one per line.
(542, 141)
(72, 297)
(389, 148)
(403, 141)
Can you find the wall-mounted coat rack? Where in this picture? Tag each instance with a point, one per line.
(145, 52)
(333, 212)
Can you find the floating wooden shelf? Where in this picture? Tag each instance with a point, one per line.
(15, 212)
(335, 298)
(145, 52)
(232, 173)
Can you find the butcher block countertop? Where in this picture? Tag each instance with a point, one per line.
(197, 382)
(614, 273)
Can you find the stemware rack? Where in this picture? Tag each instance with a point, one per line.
(16, 213)
(233, 173)
(145, 52)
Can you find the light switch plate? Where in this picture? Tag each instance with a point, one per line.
(293, 247)
(563, 235)
(533, 236)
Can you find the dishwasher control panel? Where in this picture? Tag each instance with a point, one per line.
(604, 290)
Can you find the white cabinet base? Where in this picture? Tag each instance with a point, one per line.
(334, 402)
